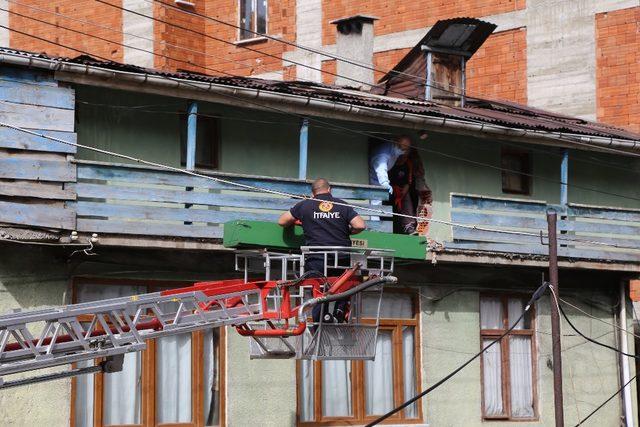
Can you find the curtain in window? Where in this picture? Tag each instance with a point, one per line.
(173, 379)
(336, 388)
(492, 378)
(84, 397)
(122, 392)
(409, 370)
(306, 391)
(378, 374)
(521, 377)
(246, 18)
(211, 375)
(515, 307)
(491, 313)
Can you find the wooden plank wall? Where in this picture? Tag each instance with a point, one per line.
(619, 228)
(135, 200)
(36, 173)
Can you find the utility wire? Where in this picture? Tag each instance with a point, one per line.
(606, 401)
(99, 25)
(375, 211)
(598, 319)
(536, 295)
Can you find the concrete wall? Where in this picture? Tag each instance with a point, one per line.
(590, 373)
(31, 277)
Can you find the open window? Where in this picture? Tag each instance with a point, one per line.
(207, 142)
(253, 18)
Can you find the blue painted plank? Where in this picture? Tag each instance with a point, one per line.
(35, 117)
(246, 200)
(40, 215)
(44, 96)
(151, 176)
(564, 252)
(499, 220)
(10, 138)
(21, 74)
(192, 128)
(159, 213)
(480, 203)
(460, 233)
(139, 228)
(37, 170)
(630, 215)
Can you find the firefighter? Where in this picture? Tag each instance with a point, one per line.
(324, 224)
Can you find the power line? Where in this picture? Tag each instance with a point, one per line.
(598, 319)
(98, 25)
(536, 295)
(606, 401)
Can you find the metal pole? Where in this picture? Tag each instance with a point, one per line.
(624, 360)
(552, 219)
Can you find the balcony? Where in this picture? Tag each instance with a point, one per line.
(584, 232)
(143, 201)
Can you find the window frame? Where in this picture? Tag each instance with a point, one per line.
(358, 377)
(216, 144)
(524, 174)
(148, 377)
(505, 359)
(254, 34)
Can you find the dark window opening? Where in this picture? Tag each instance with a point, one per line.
(207, 142)
(516, 172)
(253, 18)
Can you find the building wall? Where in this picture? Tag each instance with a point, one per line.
(590, 373)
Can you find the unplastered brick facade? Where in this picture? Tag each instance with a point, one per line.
(578, 58)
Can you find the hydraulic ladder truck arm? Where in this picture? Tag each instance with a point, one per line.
(107, 329)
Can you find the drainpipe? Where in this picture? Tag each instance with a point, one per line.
(627, 403)
(304, 148)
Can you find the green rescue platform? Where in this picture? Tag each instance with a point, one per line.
(261, 234)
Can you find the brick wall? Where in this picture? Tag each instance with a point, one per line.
(618, 68)
(402, 15)
(240, 61)
(177, 44)
(498, 70)
(87, 10)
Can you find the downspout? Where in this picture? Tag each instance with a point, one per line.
(627, 403)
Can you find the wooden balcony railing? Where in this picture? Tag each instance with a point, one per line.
(135, 200)
(616, 231)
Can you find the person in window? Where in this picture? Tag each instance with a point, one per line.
(397, 166)
(324, 223)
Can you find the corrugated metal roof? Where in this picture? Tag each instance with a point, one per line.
(476, 110)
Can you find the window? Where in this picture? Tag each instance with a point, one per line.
(207, 142)
(516, 172)
(347, 392)
(253, 18)
(508, 367)
(175, 381)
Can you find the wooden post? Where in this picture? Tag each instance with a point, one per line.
(304, 149)
(564, 178)
(192, 125)
(552, 219)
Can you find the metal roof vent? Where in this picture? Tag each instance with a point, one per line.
(435, 68)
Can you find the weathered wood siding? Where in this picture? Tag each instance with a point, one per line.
(617, 231)
(134, 200)
(36, 173)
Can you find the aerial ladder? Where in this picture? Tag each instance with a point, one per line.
(271, 305)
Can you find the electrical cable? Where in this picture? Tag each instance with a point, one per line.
(598, 319)
(591, 340)
(536, 295)
(375, 211)
(99, 25)
(606, 401)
